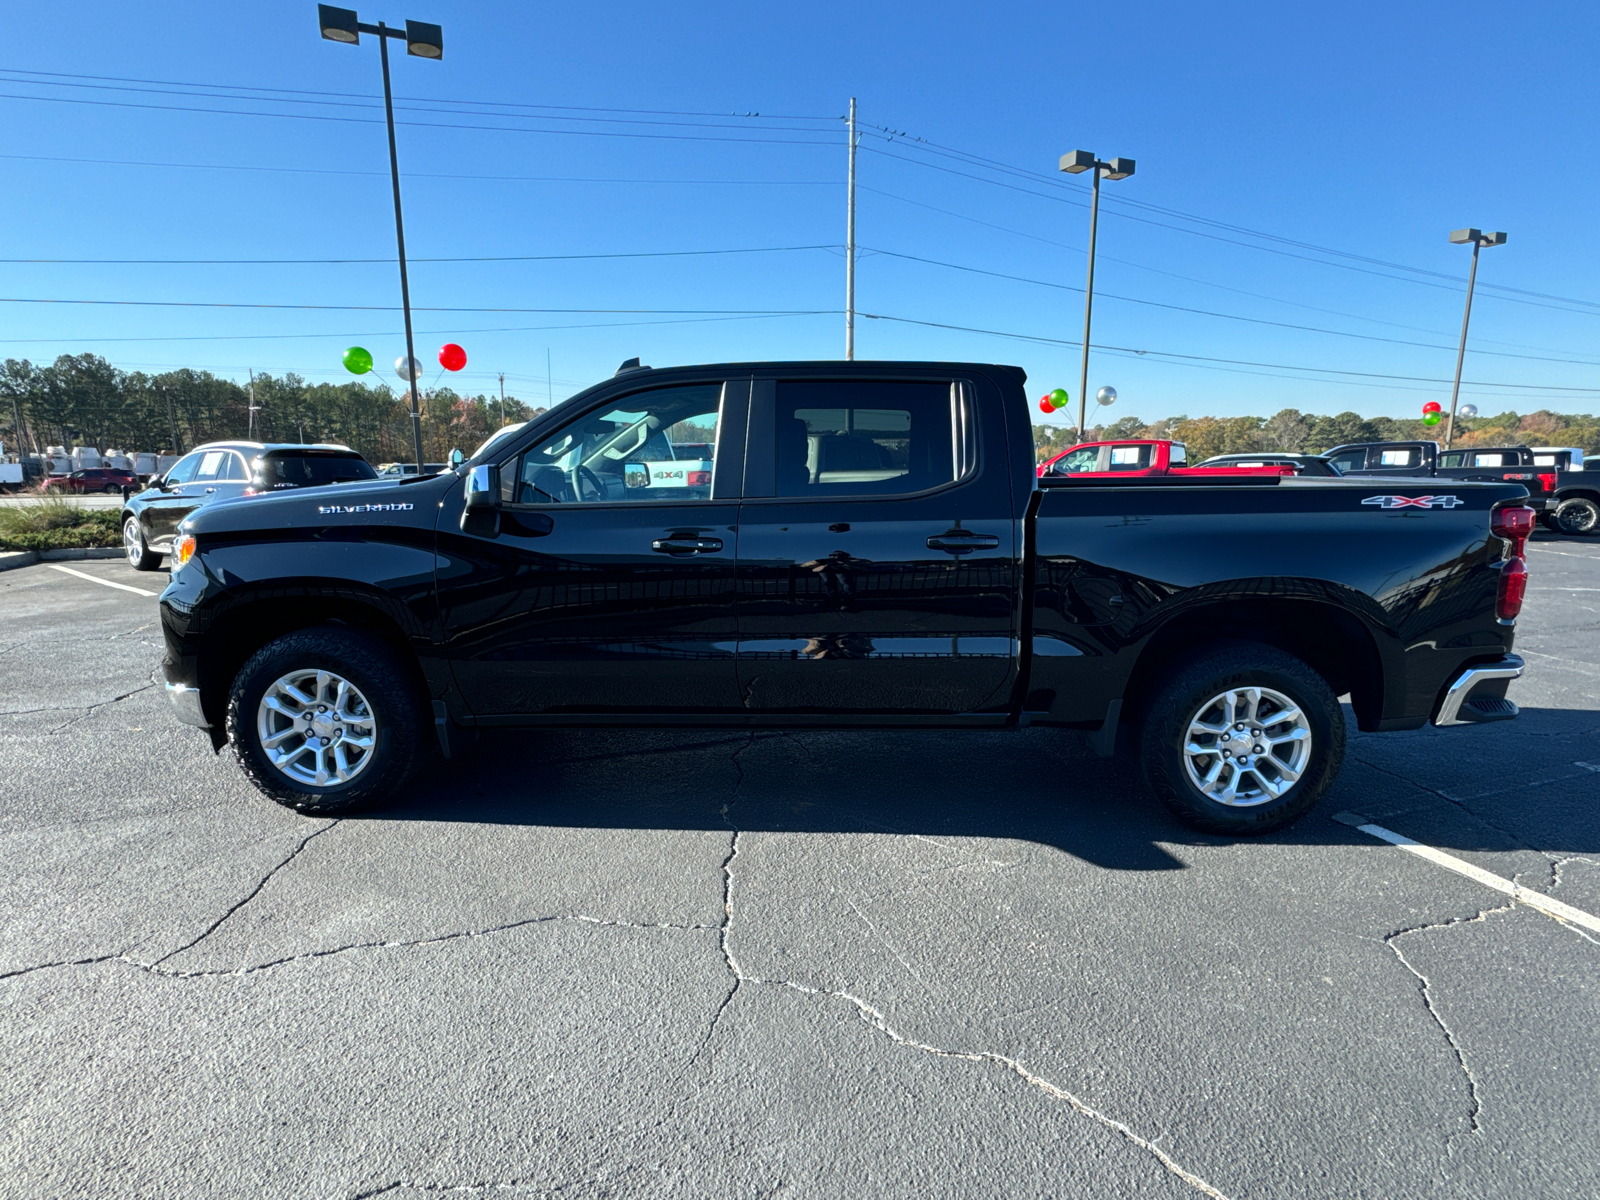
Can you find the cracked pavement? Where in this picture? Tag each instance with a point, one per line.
(620, 963)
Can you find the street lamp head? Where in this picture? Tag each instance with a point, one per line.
(1465, 237)
(1496, 238)
(424, 40)
(1120, 168)
(338, 24)
(1077, 162)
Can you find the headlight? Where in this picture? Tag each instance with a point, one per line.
(183, 549)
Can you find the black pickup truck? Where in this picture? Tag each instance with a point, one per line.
(1575, 507)
(1476, 464)
(827, 544)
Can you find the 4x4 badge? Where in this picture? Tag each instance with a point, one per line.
(1413, 501)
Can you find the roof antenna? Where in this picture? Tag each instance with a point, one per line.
(631, 364)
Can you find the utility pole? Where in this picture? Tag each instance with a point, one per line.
(502, 398)
(850, 247)
(1478, 240)
(172, 421)
(253, 409)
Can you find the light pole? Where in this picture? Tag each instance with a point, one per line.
(1118, 168)
(1478, 239)
(423, 41)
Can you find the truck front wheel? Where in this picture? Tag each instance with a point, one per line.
(1244, 739)
(325, 720)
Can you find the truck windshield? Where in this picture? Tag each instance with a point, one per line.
(1077, 462)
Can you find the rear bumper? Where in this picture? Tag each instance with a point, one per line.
(1476, 695)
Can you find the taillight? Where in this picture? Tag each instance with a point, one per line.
(1514, 523)
(1548, 482)
(1513, 587)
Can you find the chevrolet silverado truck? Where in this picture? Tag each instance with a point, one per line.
(1574, 508)
(849, 545)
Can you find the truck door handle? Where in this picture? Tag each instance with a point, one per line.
(685, 545)
(210, 490)
(959, 541)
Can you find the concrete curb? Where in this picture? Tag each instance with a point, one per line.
(75, 555)
(10, 559)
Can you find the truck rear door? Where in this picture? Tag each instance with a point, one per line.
(878, 570)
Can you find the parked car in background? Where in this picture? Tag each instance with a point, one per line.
(1139, 456)
(399, 470)
(225, 471)
(94, 479)
(278, 468)
(1303, 464)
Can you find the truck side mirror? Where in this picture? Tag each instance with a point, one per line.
(456, 459)
(483, 488)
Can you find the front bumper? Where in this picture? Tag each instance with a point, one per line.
(1460, 706)
(185, 701)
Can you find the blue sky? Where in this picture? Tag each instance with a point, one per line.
(1367, 129)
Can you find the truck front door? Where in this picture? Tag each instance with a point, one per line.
(877, 565)
(603, 584)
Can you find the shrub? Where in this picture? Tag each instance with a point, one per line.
(58, 525)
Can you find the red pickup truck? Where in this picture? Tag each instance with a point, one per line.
(1137, 456)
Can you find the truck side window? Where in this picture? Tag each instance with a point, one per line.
(866, 437)
(1398, 458)
(1079, 461)
(653, 446)
(1350, 460)
(1130, 458)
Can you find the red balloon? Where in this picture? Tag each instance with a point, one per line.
(1045, 406)
(452, 357)
(1432, 406)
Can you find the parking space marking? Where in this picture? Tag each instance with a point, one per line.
(1563, 553)
(102, 582)
(1548, 905)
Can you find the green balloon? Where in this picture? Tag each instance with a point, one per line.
(357, 360)
(1430, 418)
(1059, 398)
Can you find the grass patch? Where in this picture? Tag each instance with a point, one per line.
(56, 524)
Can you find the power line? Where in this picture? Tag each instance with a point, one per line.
(453, 176)
(390, 261)
(1370, 337)
(232, 112)
(1200, 358)
(757, 312)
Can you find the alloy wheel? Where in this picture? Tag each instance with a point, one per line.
(1247, 746)
(316, 728)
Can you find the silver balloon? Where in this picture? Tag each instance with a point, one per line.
(1467, 410)
(407, 368)
(1106, 395)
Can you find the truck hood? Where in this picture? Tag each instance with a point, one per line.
(414, 504)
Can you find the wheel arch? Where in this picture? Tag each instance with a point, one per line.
(240, 625)
(1332, 640)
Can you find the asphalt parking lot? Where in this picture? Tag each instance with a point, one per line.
(597, 964)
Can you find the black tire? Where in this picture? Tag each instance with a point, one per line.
(1182, 698)
(1577, 516)
(140, 556)
(391, 692)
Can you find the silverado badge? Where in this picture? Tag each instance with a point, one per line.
(327, 510)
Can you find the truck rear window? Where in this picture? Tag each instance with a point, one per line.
(864, 437)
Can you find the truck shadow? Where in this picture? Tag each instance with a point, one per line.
(1464, 789)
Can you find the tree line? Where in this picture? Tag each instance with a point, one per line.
(83, 400)
(1303, 433)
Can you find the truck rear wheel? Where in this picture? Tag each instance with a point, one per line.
(1244, 739)
(1577, 515)
(326, 720)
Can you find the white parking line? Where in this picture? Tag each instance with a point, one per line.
(1548, 905)
(102, 582)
